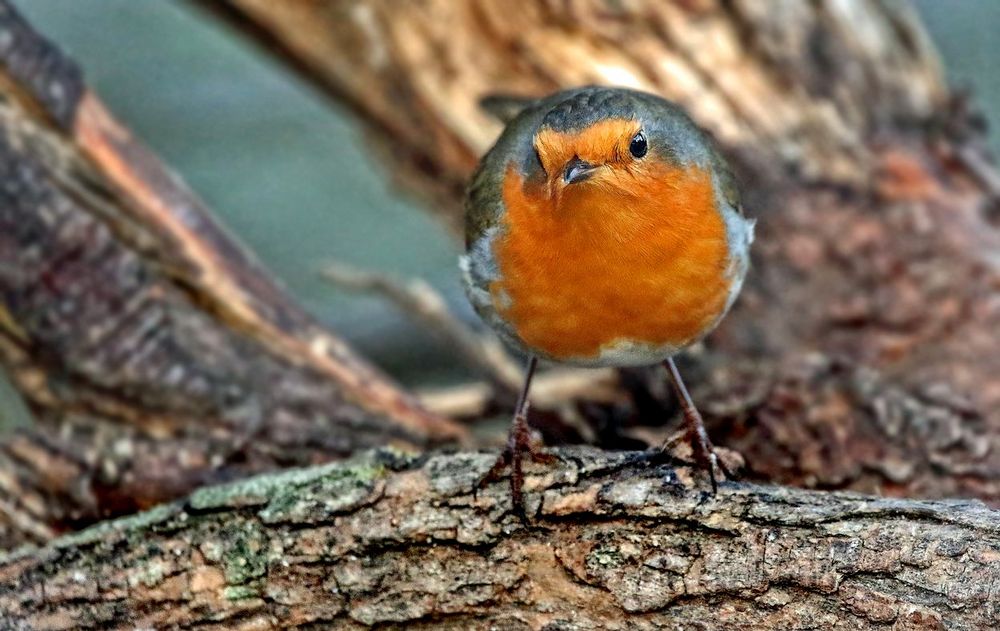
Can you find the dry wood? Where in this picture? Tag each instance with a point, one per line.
(396, 542)
(550, 389)
(870, 183)
(802, 89)
(158, 357)
(828, 423)
(481, 350)
(155, 354)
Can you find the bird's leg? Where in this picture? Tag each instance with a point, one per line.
(701, 445)
(518, 445)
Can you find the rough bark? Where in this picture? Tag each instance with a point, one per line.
(158, 357)
(391, 541)
(874, 196)
(828, 423)
(154, 352)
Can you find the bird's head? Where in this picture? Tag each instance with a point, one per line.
(604, 144)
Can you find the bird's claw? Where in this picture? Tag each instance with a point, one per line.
(703, 456)
(519, 445)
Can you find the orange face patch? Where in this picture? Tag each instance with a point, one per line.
(637, 253)
(604, 142)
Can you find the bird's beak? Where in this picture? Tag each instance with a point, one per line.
(578, 170)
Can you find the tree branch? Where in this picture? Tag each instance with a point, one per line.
(388, 540)
(155, 353)
(418, 300)
(801, 91)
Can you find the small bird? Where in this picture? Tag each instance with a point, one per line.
(602, 229)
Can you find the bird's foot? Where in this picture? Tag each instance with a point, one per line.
(701, 447)
(697, 447)
(519, 446)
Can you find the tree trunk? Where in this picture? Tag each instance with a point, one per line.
(400, 542)
(876, 240)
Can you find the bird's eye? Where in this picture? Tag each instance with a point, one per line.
(638, 146)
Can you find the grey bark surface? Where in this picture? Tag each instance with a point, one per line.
(392, 541)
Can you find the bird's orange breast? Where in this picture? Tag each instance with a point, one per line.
(603, 266)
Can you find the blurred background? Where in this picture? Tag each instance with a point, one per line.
(292, 176)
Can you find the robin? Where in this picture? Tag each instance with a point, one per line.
(603, 229)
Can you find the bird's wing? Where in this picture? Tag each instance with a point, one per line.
(506, 107)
